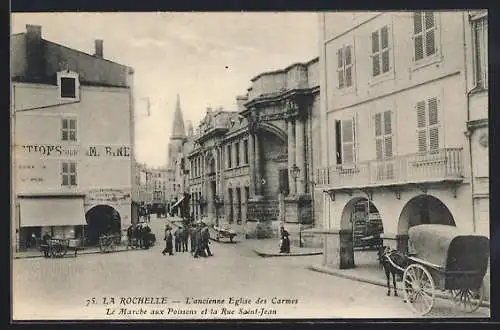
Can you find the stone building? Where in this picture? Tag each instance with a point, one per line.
(72, 120)
(253, 167)
(394, 119)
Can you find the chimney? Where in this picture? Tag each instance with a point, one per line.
(34, 32)
(98, 48)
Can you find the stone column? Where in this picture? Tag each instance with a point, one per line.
(227, 205)
(251, 160)
(258, 175)
(235, 205)
(300, 156)
(291, 157)
(244, 204)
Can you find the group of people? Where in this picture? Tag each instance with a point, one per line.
(139, 235)
(198, 235)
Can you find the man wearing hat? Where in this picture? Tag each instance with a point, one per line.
(205, 239)
(168, 241)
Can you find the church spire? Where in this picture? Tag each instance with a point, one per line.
(178, 130)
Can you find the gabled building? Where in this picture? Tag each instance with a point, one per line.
(72, 115)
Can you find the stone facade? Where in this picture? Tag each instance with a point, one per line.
(255, 164)
(393, 124)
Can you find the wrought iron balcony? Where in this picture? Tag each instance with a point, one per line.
(435, 166)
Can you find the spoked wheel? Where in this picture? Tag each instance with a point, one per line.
(418, 289)
(468, 300)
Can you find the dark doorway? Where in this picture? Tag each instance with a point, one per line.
(101, 219)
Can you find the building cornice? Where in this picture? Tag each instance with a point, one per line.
(475, 124)
(278, 97)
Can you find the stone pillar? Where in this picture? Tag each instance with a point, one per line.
(244, 204)
(300, 156)
(251, 160)
(235, 205)
(258, 175)
(227, 205)
(291, 158)
(346, 249)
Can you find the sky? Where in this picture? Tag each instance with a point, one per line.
(206, 58)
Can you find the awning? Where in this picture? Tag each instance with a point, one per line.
(38, 212)
(177, 203)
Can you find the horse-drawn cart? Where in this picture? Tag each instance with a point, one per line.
(448, 260)
(224, 232)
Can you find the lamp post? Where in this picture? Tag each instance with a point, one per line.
(294, 172)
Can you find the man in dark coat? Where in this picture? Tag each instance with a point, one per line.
(178, 238)
(168, 241)
(138, 235)
(192, 238)
(146, 232)
(285, 241)
(205, 239)
(45, 239)
(184, 239)
(199, 247)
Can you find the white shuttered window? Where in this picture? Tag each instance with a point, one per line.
(424, 35)
(480, 29)
(428, 124)
(380, 51)
(345, 67)
(384, 145)
(348, 128)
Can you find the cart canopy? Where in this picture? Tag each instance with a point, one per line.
(449, 248)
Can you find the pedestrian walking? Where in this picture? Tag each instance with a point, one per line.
(46, 237)
(192, 238)
(199, 247)
(178, 238)
(146, 233)
(205, 237)
(184, 239)
(284, 241)
(168, 241)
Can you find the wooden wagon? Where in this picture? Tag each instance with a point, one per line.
(446, 259)
(224, 232)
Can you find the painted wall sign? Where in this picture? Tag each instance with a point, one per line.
(107, 195)
(55, 150)
(30, 173)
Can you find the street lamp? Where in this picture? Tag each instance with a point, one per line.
(294, 172)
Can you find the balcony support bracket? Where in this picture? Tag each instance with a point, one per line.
(423, 188)
(331, 193)
(396, 191)
(454, 188)
(369, 193)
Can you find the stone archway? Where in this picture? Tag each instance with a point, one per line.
(421, 209)
(360, 227)
(102, 219)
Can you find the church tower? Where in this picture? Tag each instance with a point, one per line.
(175, 154)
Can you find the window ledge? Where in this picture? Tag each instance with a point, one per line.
(381, 78)
(425, 62)
(346, 90)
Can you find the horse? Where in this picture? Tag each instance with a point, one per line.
(398, 258)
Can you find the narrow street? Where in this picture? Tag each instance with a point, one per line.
(60, 288)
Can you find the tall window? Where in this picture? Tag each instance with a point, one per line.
(345, 132)
(383, 144)
(237, 149)
(68, 174)
(229, 156)
(68, 131)
(345, 66)
(428, 125)
(480, 29)
(380, 51)
(245, 151)
(424, 34)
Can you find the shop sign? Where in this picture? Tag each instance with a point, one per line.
(107, 195)
(57, 150)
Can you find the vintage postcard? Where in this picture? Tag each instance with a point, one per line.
(250, 165)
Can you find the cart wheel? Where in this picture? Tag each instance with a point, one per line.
(418, 289)
(468, 299)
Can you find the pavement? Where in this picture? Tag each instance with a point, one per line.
(65, 288)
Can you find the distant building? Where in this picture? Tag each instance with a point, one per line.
(72, 131)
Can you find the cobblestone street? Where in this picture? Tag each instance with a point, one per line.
(60, 288)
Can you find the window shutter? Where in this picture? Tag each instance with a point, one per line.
(375, 44)
(388, 146)
(419, 51)
(340, 68)
(378, 124)
(387, 122)
(429, 20)
(65, 168)
(340, 58)
(379, 148)
(347, 131)
(434, 138)
(433, 111)
(430, 42)
(421, 122)
(65, 181)
(417, 22)
(422, 141)
(64, 124)
(72, 124)
(348, 66)
(384, 37)
(348, 57)
(347, 142)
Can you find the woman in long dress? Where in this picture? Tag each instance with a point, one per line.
(285, 241)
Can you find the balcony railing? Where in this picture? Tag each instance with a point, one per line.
(438, 165)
